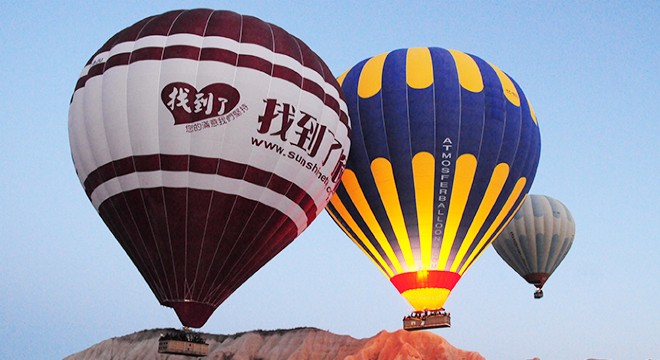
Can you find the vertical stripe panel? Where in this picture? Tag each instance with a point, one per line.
(362, 204)
(382, 170)
(447, 110)
(423, 172)
(468, 72)
(485, 207)
(397, 120)
(491, 109)
(465, 167)
(371, 77)
(419, 68)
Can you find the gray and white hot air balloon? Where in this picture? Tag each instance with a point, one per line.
(538, 238)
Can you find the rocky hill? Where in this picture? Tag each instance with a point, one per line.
(300, 343)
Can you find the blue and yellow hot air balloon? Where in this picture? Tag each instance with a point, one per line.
(444, 150)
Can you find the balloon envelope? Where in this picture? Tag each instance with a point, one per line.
(444, 148)
(537, 239)
(207, 141)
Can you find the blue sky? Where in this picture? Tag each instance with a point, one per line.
(590, 70)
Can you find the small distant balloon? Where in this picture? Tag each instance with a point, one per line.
(207, 141)
(538, 238)
(444, 149)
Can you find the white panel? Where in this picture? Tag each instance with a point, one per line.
(142, 108)
(93, 117)
(80, 153)
(114, 112)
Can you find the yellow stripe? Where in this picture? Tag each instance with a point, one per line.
(531, 111)
(468, 72)
(384, 178)
(419, 68)
(348, 219)
(466, 166)
(423, 164)
(497, 181)
(360, 201)
(507, 86)
(426, 298)
(515, 194)
(371, 77)
(341, 77)
(350, 236)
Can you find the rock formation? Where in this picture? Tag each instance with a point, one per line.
(300, 343)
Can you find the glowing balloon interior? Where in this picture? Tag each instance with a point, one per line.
(207, 141)
(537, 239)
(444, 149)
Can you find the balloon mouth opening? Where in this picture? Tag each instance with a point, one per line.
(425, 279)
(191, 313)
(537, 279)
(426, 289)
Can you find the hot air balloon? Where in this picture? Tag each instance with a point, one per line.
(537, 239)
(207, 141)
(444, 149)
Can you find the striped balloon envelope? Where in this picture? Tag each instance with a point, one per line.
(207, 141)
(444, 149)
(537, 240)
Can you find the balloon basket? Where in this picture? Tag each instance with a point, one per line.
(538, 293)
(182, 342)
(428, 319)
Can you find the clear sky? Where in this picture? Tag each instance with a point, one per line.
(590, 69)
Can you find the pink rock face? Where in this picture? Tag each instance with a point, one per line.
(404, 345)
(301, 343)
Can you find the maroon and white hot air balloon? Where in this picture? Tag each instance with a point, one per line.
(207, 141)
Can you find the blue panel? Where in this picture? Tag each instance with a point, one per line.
(368, 142)
(447, 102)
(493, 105)
(399, 122)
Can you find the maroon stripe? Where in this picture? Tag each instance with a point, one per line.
(220, 55)
(231, 169)
(148, 53)
(204, 165)
(96, 70)
(181, 52)
(343, 117)
(201, 165)
(168, 162)
(116, 60)
(282, 72)
(256, 63)
(314, 88)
